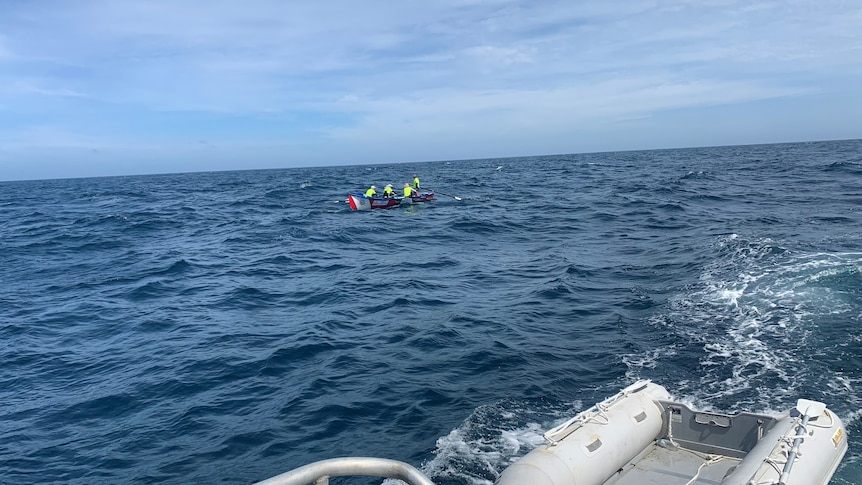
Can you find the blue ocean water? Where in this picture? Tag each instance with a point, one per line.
(225, 327)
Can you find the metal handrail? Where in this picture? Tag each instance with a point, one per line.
(319, 472)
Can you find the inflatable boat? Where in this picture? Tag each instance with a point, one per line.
(642, 437)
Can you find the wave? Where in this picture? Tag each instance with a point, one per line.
(766, 320)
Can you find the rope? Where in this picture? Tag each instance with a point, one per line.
(713, 459)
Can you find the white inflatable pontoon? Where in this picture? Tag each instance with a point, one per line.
(641, 437)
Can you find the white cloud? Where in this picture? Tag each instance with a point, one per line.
(29, 87)
(494, 55)
(285, 51)
(5, 52)
(347, 70)
(571, 109)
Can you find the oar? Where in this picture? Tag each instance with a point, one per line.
(447, 195)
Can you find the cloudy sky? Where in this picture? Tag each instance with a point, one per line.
(107, 87)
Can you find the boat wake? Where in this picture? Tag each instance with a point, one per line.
(492, 438)
(765, 323)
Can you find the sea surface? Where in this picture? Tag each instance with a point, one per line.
(225, 327)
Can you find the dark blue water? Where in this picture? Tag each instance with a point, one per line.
(226, 327)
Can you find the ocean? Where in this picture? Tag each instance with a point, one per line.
(225, 327)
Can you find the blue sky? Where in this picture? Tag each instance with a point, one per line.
(107, 87)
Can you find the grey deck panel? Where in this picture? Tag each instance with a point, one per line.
(668, 466)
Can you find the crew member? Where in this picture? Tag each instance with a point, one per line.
(408, 191)
(416, 183)
(388, 192)
(371, 192)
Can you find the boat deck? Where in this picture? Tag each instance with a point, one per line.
(674, 466)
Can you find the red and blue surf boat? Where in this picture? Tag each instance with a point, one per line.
(361, 202)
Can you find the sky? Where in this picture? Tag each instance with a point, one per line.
(126, 87)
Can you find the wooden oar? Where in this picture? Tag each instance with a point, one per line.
(447, 195)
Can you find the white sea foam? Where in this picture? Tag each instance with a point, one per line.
(757, 315)
(492, 438)
(645, 360)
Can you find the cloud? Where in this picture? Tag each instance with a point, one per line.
(228, 57)
(29, 87)
(450, 114)
(495, 56)
(309, 73)
(5, 52)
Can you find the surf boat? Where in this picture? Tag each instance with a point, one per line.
(360, 202)
(642, 437)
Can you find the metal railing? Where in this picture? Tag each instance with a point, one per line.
(319, 472)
